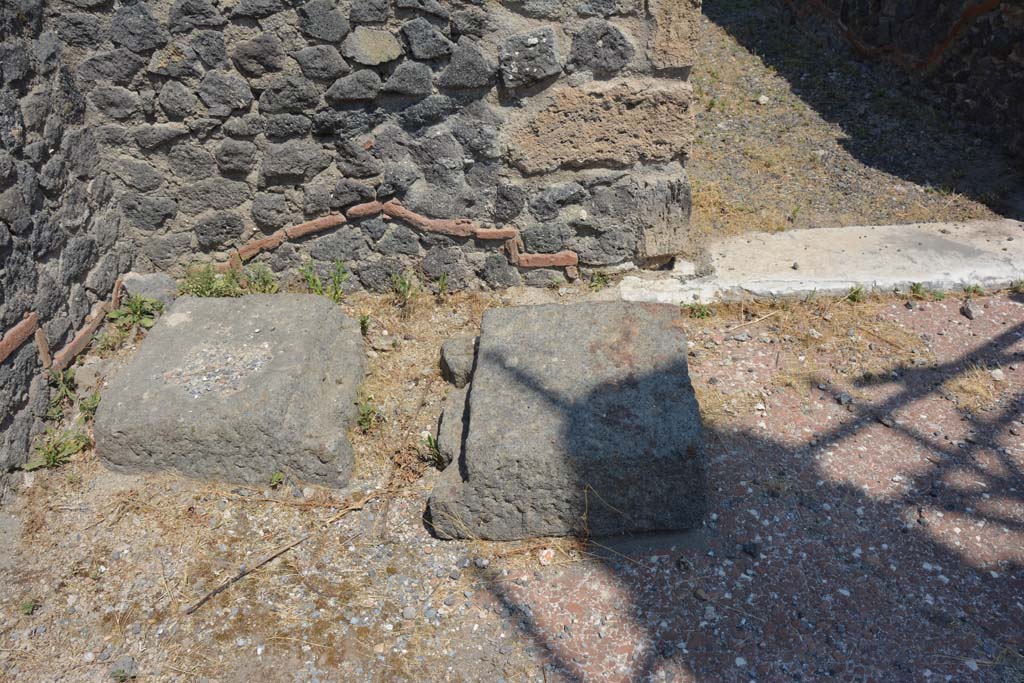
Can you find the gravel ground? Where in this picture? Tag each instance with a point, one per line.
(866, 524)
(791, 134)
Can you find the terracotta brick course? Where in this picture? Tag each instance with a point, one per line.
(18, 335)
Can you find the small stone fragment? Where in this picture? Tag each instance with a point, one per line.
(368, 11)
(321, 20)
(371, 46)
(469, 67)
(157, 286)
(529, 58)
(970, 310)
(410, 78)
(457, 358)
(321, 62)
(601, 48)
(425, 41)
(360, 86)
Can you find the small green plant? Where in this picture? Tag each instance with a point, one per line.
(938, 295)
(364, 324)
(404, 287)
(973, 290)
(202, 280)
(856, 294)
(276, 479)
(442, 286)
(29, 607)
(56, 448)
(62, 392)
(87, 406)
(334, 290)
(699, 310)
(137, 311)
(431, 452)
(918, 291)
(260, 279)
(598, 281)
(1017, 286)
(369, 416)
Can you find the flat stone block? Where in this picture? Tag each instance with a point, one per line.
(581, 420)
(236, 390)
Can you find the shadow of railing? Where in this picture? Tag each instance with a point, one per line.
(907, 550)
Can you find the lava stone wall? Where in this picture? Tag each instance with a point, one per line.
(221, 122)
(970, 51)
(59, 233)
(486, 143)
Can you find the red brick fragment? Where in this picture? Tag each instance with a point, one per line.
(457, 227)
(512, 246)
(559, 260)
(65, 356)
(364, 210)
(496, 233)
(115, 297)
(17, 335)
(268, 243)
(314, 226)
(43, 347)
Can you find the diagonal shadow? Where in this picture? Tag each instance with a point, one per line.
(822, 513)
(887, 118)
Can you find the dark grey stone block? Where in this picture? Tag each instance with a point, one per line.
(451, 428)
(236, 390)
(582, 420)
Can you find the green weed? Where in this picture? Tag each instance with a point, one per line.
(56, 448)
(62, 392)
(431, 452)
(334, 289)
(276, 479)
(364, 324)
(137, 311)
(259, 279)
(202, 280)
(973, 290)
(598, 281)
(1017, 286)
(404, 287)
(856, 294)
(29, 607)
(369, 416)
(88, 406)
(699, 310)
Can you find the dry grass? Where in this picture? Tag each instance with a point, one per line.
(404, 379)
(973, 390)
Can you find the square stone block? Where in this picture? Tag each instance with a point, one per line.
(236, 390)
(582, 420)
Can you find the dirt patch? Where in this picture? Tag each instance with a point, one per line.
(853, 503)
(793, 135)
